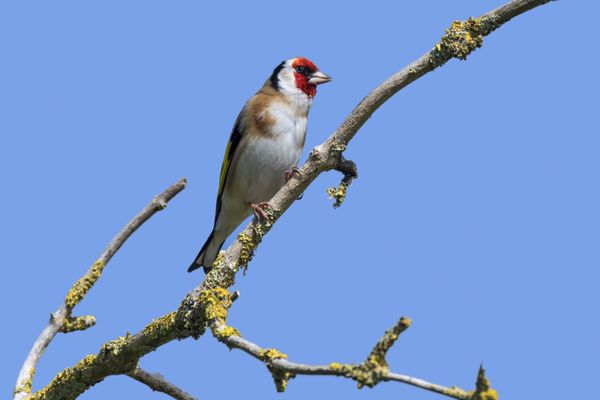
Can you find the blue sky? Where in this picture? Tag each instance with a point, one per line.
(476, 211)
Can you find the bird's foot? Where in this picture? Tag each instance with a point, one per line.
(290, 173)
(259, 210)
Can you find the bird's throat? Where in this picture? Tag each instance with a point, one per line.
(302, 83)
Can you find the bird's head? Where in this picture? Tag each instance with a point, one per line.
(298, 76)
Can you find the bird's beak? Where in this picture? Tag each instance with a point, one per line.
(316, 78)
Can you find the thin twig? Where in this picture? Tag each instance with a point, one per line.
(361, 373)
(61, 320)
(158, 383)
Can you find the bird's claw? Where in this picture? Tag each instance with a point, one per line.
(259, 210)
(290, 173)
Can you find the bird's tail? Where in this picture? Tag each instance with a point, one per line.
(207, 254)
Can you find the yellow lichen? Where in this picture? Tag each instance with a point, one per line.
(337, 147)
(462, 38)
(247, 250)
(226, 331)
(377, 356)
(368, 373)
(272, 354)
(115, 347)
(338, 194)
(280, 377)
(198, 311)
(489, 394)
(456, 392)
(206, 309)
(78, 323)
(25, 387)
(335, 366)
(215, 303)
(219, 260)
(159, 327)
(66, 385)
(374, 369)
(251, 241)
(84, 284)
(483, 389)
(221, 274)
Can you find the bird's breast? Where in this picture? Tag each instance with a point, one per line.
(261, 168)
(289, 123)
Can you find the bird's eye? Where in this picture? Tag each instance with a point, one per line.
(300, 69)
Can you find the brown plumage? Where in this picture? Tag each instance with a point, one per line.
(266, 142)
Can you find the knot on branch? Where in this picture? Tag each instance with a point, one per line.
(375, 368)
(84, 284)
(209, 308)
(71, 324)
(280, 376)
(462, 38)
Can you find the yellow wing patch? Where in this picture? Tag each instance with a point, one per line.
(232, 145)
(225, 167)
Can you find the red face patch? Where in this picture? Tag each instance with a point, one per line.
(303, 67)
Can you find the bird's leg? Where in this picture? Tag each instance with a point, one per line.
(259, 210)
(290, 172)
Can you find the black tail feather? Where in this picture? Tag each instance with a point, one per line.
(195, 265)
(207, 268)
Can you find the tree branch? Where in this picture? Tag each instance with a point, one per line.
(210, 300)
(369, 373)
(158, 383)
(61, 320)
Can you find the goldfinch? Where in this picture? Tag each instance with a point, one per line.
(263, 150)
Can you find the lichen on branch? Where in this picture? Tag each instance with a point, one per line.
(375, 368)
(84, 284)
(78, 323)
(210, 300)
(483, 388)
(338, 194)
(462, 38)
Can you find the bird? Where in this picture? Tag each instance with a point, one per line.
(263, 151)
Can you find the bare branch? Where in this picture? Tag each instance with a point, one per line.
(210, 300)
(369, 373)
(158, 383)
(61, 320)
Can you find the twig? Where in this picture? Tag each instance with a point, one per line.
(369, 373)
(158, 383)
(198, 308)
(61, 320)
